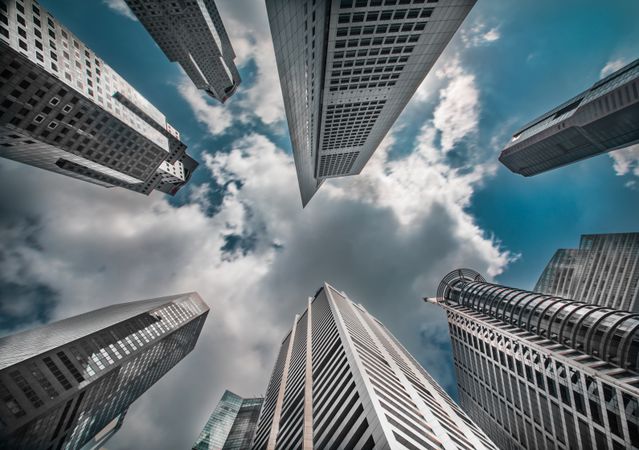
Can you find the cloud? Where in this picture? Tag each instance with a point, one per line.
(457, 114)
(120, 7)
(215, 116)
(612, 66)
(480, 34)
(626, 160)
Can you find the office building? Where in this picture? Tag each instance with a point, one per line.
(232, 424)
(69, 384)
(542, 372)
(192, 33)
(604, 270)
(347, 69)
(342, 381)
(600, 119)
(64, 110)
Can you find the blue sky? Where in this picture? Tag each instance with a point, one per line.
(433, 198)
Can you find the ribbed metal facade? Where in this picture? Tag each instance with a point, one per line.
(62, 385)
(600, 119)
(603, 271)
(347, 70)
(342, 381)
(543, 372)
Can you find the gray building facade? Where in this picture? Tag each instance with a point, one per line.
(543, 372)
(191, 32)
(232, 424)
(342, 381)
(347, 69)
(65, 110)
(604, 270)
(69, 383)
(600, 119)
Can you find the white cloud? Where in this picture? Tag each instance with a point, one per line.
(479, 34)
(626, 160)
(120, 7)
(457, 114)
(215, 116)
(612, 66)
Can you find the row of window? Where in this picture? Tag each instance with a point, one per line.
(373, 16)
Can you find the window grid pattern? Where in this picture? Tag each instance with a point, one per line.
(74, 107)
(103, 372)
(524, 396)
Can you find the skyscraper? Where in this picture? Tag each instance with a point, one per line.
(232, 424)
(600, 119)
(347, 70)
(543, 372)
(342, 381)
(603, 271)
(69, 383)
(192, 33)
(64, 110)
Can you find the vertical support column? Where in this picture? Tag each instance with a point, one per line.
(275, 428)
(307, 439)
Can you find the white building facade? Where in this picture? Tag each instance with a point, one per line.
(347, 69)
(342, 381)
(64, 110)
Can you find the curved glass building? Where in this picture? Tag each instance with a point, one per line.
(540, 371)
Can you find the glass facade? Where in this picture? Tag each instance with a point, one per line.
(192, 33)
(536, 371)
(231, 425)
(63, 383)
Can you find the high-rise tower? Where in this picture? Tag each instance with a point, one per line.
(600, 119)
(342, 381)
(64, 110)
(192, 33)
(543, 372)
(347, 69)
(70, 382)
(604, 271)
(232, 424)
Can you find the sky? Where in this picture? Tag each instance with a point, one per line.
(432, 198)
